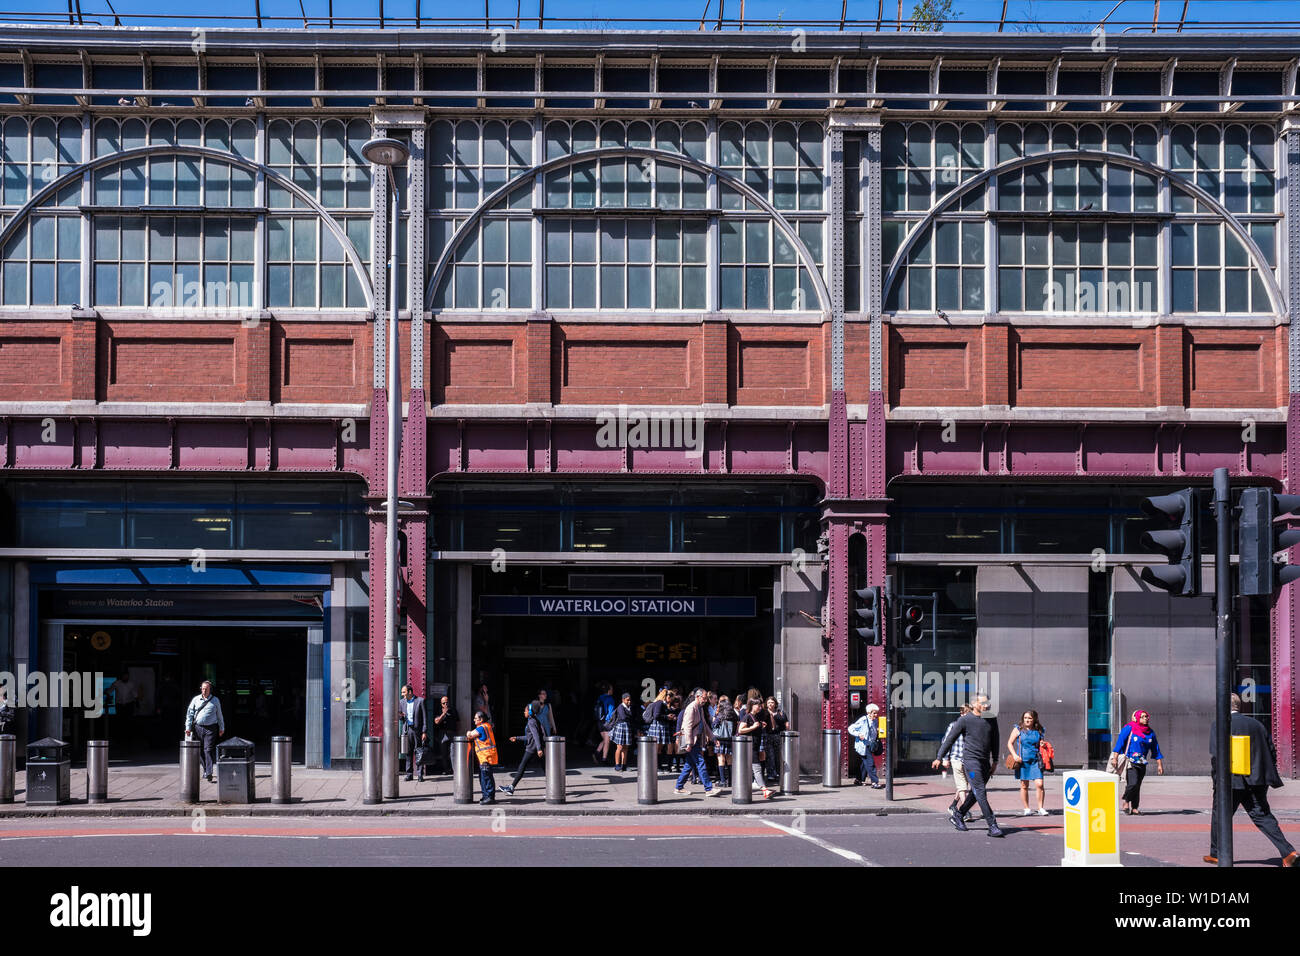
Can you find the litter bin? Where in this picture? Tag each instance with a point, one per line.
(49, 772)
(236, 780)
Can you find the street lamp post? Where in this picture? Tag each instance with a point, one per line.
(390, 153)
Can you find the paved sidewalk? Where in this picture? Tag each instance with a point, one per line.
(152, 791)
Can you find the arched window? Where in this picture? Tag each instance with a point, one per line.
(1076, 234)
(42, 261)
(624, 230)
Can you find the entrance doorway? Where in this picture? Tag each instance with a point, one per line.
(150, 671)
(569, 654)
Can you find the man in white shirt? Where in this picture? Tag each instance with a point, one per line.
(203, 720)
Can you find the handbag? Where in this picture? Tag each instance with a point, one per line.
(1012, 762)
(423, 756)
(1046, 753)
(1118, 765)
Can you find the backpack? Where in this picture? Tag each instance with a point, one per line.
(647, 716)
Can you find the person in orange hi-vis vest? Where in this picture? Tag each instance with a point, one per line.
(484, 742)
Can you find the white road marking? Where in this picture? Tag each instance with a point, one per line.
(838, 851)
(716, 836)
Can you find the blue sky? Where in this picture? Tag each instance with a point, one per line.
(974, 15)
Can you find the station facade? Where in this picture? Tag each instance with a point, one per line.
(699, 332)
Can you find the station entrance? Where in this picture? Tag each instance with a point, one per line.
(149, 673)
(138, 658)
(567, 629)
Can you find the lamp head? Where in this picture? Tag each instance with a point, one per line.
(385, 152)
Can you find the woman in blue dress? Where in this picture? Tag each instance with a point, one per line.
(1023, 747)
(1135, 745)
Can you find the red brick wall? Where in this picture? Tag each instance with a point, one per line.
(328, 362)
(930, 365)
(1171, 366)
(772, 365)
(37, 361)
(1232, 368)
(479, 363)
(716, 361)
(651, 364)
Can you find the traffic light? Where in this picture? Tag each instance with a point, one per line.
(869, 614)
(913, 624)
(1181, 547)
(1261, 539)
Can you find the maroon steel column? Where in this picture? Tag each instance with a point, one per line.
(378, 475)
(412, 484)
(415, 467)
(876, 530)
(1286, 613)
(378, 435)
(835, 710)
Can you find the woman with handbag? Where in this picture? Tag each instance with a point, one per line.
(1024, 758)
(1134, 746)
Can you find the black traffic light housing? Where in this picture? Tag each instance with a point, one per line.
(1260, 539)
(912, 623)
(869, 614)
(1181, 546)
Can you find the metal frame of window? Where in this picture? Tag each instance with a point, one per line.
(1257, 260)
(766, 211)
(28, 209)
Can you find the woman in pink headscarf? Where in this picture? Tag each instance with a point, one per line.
(1134, 746)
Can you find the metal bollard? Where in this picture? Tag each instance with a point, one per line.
(742, 769)
(462, 788)
(647, 771)
(555, 769)
(190, 751)
(372, 764)
(97, 771)
(830, 758)
(281, 769)
(8, 751)
(789, 761)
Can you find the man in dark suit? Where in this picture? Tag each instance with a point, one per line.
(1251, 790)
(411, 710)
